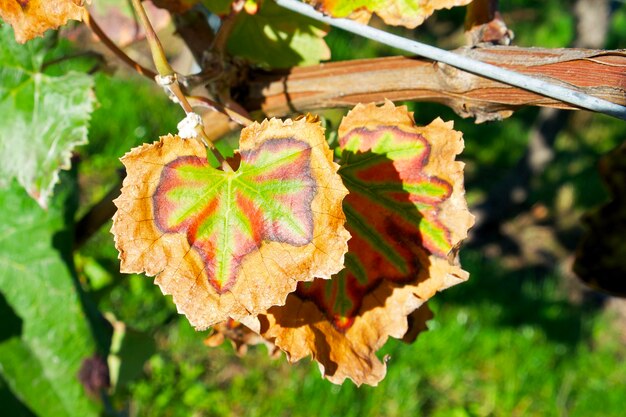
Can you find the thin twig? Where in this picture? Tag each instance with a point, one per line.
(476, 67)
(95, 28)
(178, 92)
(168, 78)
(223, 34)
(158, 54)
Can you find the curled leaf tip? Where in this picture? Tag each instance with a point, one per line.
(240, 338)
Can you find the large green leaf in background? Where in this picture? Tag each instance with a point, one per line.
(43, 117)
(41, 356)
(278, 38)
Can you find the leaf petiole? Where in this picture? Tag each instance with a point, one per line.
(156, 49)
(167, 78)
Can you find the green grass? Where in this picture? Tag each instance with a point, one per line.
(505, 343)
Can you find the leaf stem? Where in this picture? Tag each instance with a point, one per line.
(158, 54)
(95, 28)
(483, 69)
(168, 78)
(228, 23)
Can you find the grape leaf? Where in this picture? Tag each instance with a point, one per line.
(231, 244)
(44, 117)
(31, 18)
(406, 213)
(241, 337)
(41, 360)
(278, 38)
(601, 255)
(407, 13)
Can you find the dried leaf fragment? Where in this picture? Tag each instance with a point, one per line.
(230, 244)
(240, 337)
(406, 213)
(407, 13)
(31, 18)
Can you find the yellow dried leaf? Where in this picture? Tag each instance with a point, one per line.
(407, 13)
(31, 18)
(231, 244)
(411, 14)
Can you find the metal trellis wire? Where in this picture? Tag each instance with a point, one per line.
(483, 69)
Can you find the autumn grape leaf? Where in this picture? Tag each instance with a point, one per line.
(241, 337)
(407, 13)
(601, 255)
(44, 117)
(406, 213)
(31, 18)
(231, 244)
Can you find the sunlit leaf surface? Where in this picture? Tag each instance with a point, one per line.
(279, 38)
(407, 213)
(231, 244)
(44, 117)
(407, 13)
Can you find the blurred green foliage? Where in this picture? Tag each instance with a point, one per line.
(507, 343)
(503, 344)
(45, 336)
